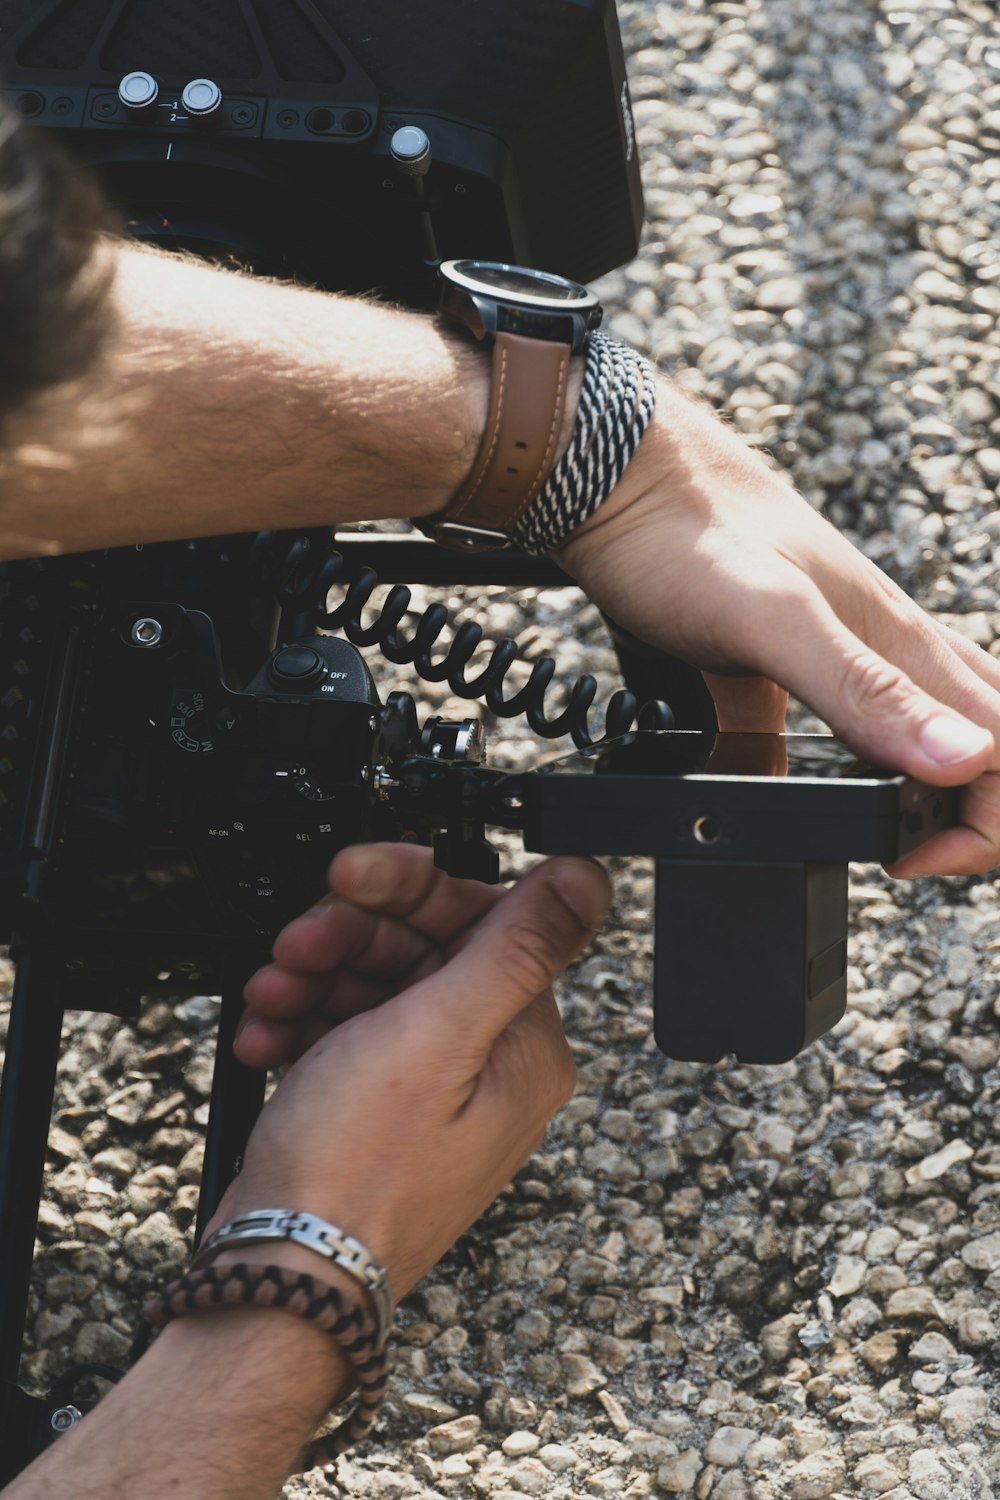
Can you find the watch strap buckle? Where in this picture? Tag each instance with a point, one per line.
(465, 537)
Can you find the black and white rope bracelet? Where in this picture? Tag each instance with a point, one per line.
(334, 1312)
(616, 405)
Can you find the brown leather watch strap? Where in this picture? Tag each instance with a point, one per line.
(519, 447)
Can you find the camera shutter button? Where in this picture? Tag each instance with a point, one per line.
(296, 669)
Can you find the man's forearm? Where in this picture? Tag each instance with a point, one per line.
(218, 1409)
(230, 404)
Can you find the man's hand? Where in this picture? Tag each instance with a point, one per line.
(704, 551)
(446, 1056)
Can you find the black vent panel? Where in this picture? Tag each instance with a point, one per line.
(181, 38)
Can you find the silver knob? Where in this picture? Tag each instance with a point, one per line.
(201, 97)
(138, 90)
(411, 150)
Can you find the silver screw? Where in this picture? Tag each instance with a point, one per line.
(63, 1418)
(147, 632)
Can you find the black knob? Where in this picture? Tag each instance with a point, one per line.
(411, 150)
(296, 669)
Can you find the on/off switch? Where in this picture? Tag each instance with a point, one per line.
(296, 669)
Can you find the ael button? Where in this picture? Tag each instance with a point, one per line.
(296, 669)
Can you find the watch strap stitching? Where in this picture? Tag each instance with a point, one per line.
(545, 465)
(487, 449)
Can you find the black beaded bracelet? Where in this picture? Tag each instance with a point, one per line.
(344, 1319)
(616, 404)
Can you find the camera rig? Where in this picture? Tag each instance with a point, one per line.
(181, 753)
(174, 782)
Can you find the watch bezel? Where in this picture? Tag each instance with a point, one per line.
(586, 302)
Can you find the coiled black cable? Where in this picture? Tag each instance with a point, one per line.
(300, 571)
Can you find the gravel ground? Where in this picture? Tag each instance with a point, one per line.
(729, 1283)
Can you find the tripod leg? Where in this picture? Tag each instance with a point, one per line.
(237, 1097)
(25, 1111)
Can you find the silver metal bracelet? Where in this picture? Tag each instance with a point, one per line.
(315, 1234)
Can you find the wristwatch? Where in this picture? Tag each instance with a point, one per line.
(536, 324)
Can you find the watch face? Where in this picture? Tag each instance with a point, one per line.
(518, 283)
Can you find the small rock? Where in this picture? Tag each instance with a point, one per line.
(156, 1241)
(782, 293)
(443, 1304)
(128, 1105)
(816, 1476)
(934, 1348)
(727, 1446)
(775, 1137)
(98, 1343)
(983, 1254)
(939, 1163)
(680, 1473)
(428, 1407)
(94, 1226)
(880, 1351)
(914, 1302)
(962, 1410)
(876, 1473)
(815, 1334)
(974, 1326)
(118, 1160)
(581, 1375)
(936, 1474)
(848, 1275)
(557, 1457)
(519, 1444)
(454, 1437)
(54, 1323)
(778, 1338)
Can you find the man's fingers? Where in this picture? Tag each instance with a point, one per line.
(401, 880)
(515, 953)
(263, 1043)
(984, 666)
(867, 700)
(335, 933)
(749, 704)
(387, 904)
